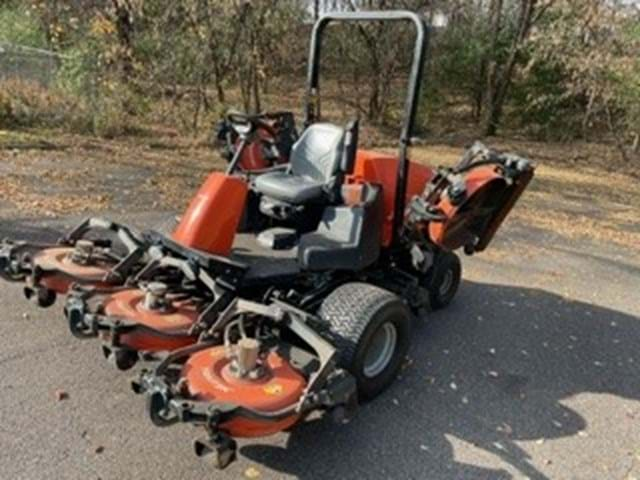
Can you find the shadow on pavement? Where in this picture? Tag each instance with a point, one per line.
(491, 370)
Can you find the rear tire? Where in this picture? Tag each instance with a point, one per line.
(370, 328)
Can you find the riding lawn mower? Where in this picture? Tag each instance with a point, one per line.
(289, 284)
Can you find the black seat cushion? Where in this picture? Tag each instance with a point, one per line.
(289, 188)
(314, 162)
(347, 238)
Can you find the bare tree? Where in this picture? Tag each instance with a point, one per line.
(499, 72)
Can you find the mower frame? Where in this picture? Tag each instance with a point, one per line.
(16, 259)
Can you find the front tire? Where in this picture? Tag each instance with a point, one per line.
(370, 328)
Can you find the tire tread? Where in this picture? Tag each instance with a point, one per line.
(348, 310)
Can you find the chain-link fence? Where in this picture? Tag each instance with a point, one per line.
(27, 63)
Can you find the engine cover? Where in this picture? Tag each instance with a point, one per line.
(209, 378)
(166, 329)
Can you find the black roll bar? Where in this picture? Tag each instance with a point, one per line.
(411, 105)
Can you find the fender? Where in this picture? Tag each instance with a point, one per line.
(210, 222)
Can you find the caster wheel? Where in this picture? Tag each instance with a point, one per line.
(77, 326)
(444, 280)
(157, 408)
(43, 297)
(220, 451)
(122, 359)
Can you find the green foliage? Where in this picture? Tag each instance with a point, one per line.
(18, 25)
(591, 47)
(187, 61)
(628, 81)
(90, 71)
(542, 104)
(77, 72)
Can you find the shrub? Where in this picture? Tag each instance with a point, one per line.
(18, 25)
(28, 104)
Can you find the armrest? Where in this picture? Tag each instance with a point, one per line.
(275, 168)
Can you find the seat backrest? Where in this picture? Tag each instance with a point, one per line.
(318, 152)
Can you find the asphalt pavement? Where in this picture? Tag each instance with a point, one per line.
(532, 372)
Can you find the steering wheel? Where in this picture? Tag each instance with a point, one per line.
(243, 124)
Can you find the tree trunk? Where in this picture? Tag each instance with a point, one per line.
(587, 116)
(257, 104)
(614, 133)
(491, 116)
(499, 77)
(123, 14)
(218, 79)
(220, 90)
(478, 92)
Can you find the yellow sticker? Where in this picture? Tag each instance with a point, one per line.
(273, 389)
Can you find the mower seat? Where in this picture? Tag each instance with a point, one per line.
(319, 157)
(295, 190)
(348, 237)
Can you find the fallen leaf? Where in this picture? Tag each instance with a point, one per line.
(252, 472)
(504, 428)
(61, 395)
